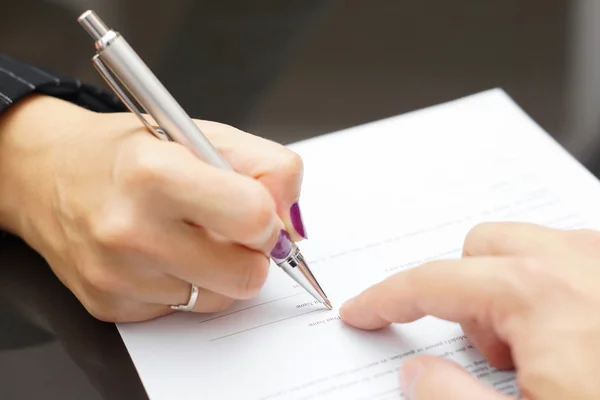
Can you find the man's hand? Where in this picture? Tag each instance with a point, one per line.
(528, 298)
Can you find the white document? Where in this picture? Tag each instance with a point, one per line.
(377, 199)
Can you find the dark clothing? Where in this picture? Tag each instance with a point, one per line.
(19, 79)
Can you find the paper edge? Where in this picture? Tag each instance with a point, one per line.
(491, 92)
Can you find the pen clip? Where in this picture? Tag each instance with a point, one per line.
(113, 82)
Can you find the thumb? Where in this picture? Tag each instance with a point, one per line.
(433, 378)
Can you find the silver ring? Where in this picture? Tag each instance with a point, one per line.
(191, 303)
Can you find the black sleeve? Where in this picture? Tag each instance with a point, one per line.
(19, 79)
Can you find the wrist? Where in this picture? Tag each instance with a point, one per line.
(30, 135)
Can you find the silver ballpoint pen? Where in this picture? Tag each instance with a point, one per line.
(124, 71)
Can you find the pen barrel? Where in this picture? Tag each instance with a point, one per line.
(149, 92)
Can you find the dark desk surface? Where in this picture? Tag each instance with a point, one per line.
(284, 70)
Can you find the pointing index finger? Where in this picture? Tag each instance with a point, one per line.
(454, 290)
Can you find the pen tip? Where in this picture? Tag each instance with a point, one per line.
(328, 304)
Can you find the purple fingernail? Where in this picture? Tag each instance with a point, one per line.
(283, 246)
(296, 218)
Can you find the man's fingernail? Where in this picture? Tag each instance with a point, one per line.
(283, 246)
(411, 371)
(296, 218)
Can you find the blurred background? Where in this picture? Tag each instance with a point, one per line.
(285, 70)
(297, 68)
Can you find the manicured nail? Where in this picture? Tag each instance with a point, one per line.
(296, 218)
(283, 246)
(408, 378)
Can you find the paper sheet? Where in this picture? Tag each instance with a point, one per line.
(377, 199)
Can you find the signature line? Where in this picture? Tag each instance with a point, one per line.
(270, 323)
(247, 308)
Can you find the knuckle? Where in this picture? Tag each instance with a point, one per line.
(291, 163)
(530, 267)
(114, 230)
(144, 168)
(105, 299)
(491, 237)
(526, 273)
(223, 303)
(103, 282)
(477, 234)
(98, 306)
(527, 280)
(117, 311)
(102, 312)
(259, 212)
(254, 276)
(485, 229)
(110, 313)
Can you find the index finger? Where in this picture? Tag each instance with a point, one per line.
(278, 168)
(514, 239)
(175, 183)
(454, 290)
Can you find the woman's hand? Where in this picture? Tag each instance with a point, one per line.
(527, 297)
(129, 222)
